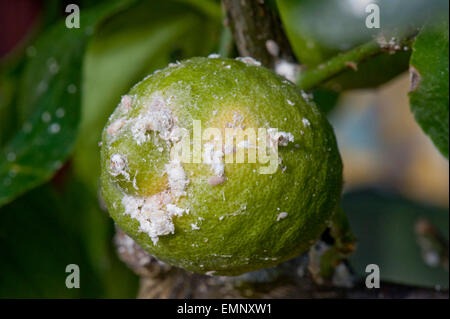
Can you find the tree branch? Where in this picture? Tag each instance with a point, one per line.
(257, 31)
(290, 279)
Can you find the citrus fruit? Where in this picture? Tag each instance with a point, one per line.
(220, 166)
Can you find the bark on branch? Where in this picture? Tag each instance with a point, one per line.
(257, 31)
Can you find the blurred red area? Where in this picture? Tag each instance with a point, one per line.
(16, 20)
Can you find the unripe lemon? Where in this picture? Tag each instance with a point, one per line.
(232, 204)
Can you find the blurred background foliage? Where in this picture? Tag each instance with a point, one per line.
(58, 87)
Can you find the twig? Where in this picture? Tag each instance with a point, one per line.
(309, 79)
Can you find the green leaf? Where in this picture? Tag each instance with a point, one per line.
(327, 26)
(49, 106)
(44, 231)
(96, 230)
(38, 240)
(325, 99)
(320, 29)
(142, 39)
(386, 226)
(429, 83)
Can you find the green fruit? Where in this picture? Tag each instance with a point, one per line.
(220, 217)
(320, 29)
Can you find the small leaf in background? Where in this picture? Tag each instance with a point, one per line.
(49, 106)
(386, 226)
(337, 25)
(128, 47)
(429, 69)
(320, 29)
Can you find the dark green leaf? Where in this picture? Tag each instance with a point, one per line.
(49, 106)
(320, 29)
(386, 229)
(38, 241)
(96, 229)
(324, 26)
(44, 231)
(325, 99)
(429, 83)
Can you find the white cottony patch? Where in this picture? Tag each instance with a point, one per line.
(282, 215)
(249, 60)
(176, 134)
(157, 117)
(177, 178)
(171, 65)
(214, 158)
(116, 126)
(118, 166)
(125, 102)
(306, 122)
(150, 213)
(282, 138)
(174, 210)
(194, 227)
(287, 69)
(307, 96)
(214, 56)
(132, 205)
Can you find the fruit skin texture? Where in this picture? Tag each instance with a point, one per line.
(231, 228)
